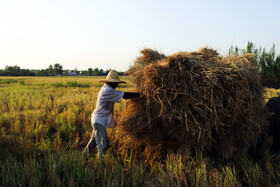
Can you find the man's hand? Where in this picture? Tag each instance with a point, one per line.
(131, 95)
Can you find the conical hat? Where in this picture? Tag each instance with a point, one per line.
(112, 76)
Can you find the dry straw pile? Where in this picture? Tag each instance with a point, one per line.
(195, 101)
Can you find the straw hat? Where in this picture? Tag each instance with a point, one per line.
(112, 76)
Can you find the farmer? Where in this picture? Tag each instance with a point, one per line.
(103, 115)
(273, 106)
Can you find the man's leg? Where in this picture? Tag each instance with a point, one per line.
(101, 138)
(91, 144)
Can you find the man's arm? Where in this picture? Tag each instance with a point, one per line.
(130, 95)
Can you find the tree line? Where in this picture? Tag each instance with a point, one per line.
(268, 63)
(52, 70)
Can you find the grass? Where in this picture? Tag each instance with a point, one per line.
(44, 128)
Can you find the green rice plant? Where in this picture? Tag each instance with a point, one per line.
(7, 81)
(76, 84)
(253, 175)
(58, 84)
(200, 175)
(45, 144)
(71, 84)
(26, 173)
(21, 83)
(229, 177)
(65, 130)
(5, 120)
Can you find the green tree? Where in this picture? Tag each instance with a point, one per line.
(50, 70)
(77, 71)
(58, 69)
(267, 61)
(90, 71)
(96, 71)
(101, 72)
(107, 71)
(270, 67)
(13, 68)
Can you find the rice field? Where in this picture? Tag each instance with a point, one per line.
(45, 124)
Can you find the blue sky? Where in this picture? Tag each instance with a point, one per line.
(110, 33)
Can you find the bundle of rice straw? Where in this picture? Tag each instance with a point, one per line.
(195, 101)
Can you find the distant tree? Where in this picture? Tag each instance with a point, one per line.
(121, 73)
(58, 69)
(107, 71)
(26, 72)
(64, 72)
(38, 73)
(13, 68)
(268, 63)
(90, 71)
(50, 70)
(233, 50)
(76, 71)
(42, 72)
(251, 48)
(270, 67)
(95, 71)
(101, 72)
(84, 72)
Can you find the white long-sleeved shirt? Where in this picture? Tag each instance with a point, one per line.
(104, 111)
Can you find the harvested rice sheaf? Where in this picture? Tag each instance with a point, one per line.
(195, 101)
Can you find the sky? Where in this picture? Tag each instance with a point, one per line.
(110, 34)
